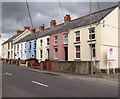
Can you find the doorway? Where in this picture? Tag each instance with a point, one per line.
(66, 53)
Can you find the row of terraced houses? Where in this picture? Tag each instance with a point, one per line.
(71, 40)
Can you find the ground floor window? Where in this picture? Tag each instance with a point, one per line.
(56, 53)
(41, 54)
(35, 53)
(77, 51)
(93, 50)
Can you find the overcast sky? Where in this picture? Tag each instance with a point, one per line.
(15, 15)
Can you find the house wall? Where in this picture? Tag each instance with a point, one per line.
(84, 44)
(109, 37)
(44, 48)
(22, 35)
(21, 52)
(30, 52)
(1, 41)
(5, 50)
(60, 46)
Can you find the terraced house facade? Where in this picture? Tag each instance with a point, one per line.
(74, 40)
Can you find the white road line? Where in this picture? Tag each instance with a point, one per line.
(8, 73)
(35, 82)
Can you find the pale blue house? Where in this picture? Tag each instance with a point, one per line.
(30, 49)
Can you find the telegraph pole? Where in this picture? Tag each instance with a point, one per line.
(91, 65)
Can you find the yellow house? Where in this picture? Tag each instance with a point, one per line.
(7, 46)
(86, 44)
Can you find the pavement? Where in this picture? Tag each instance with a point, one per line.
(26, 82)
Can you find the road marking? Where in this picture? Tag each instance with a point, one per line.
(8, 73)
(35, 82)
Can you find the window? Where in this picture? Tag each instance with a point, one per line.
(41, 54)
(92, 33)
(17, 47)
(48, 41)
(8, 45)
(55, 53)
(35, 53)
(35, 44)
(56, 40)
(65, 37)
(29, 45)
(77, 51)
(77, 36)
(14, 48)
(41, 42)
(21, 46)
(11, 45)
(93, 50)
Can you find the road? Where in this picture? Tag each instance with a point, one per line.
(18, 82)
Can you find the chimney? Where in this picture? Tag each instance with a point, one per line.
(19, 31)
(0, 35)
(33, 30)
(52, 23)
(67, 18)
(42, 28)
(26, 28)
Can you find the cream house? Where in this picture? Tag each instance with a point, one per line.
(42, 49)
(83, 41)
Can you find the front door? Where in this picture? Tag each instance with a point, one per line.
(66, 53)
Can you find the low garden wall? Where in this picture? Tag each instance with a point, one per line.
(72, 67)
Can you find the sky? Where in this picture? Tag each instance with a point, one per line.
(15, 14)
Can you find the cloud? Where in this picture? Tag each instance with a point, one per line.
(15, 14)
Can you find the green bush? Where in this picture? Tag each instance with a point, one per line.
(47, 59)
(30, 59)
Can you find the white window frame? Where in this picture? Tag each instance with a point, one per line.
(93, 48)
(77, 35)
(48, 42)
(41, 54)
(55, 53)
(77, 52)
(65, 38)
(93, 33)
(41, 43)
(55, 40)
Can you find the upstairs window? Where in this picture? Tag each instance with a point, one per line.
(17, 47)
(21, 46)
(29, 45)
(48, 41)
(35, 44)
(65, 38)
(92, 33)
(77, 51)
(41, 42)
(77, 36)
(56, 40)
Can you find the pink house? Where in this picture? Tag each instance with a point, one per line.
(59, 43)
(59, 46)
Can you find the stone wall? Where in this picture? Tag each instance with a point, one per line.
(71, 67)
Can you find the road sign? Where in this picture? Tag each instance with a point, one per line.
(110, 54)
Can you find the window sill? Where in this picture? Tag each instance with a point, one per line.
(55, 45)
(77, 42)
(77, 59)
(91, 40)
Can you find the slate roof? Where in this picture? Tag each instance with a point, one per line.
(79, 22)
(11, 39)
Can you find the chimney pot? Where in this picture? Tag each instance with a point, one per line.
(27, 28)
(53, 23)
(33, 30)
(67, 18)
(42, 27)
(19, 31)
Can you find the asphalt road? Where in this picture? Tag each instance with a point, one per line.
(19, 82)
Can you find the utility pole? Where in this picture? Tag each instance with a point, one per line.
(91, 65)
